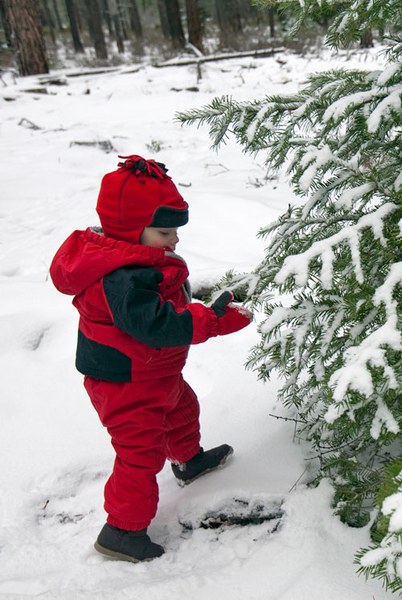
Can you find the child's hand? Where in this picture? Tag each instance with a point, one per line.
(230, 318)
(221, 303)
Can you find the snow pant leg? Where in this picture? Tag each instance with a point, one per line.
(134, 414)
(183, 426)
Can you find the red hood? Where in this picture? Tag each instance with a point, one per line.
(87, 256)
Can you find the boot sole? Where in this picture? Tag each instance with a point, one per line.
(224, 460)
(119, 555)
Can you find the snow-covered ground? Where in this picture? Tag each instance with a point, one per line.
(55, 456)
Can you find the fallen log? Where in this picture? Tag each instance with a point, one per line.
(181, 62)
(105, 145)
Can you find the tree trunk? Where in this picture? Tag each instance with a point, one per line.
(164, 19)
(117, 29)
(229, 21)
(271, 16)
(123, 21)
(171, 22)
(95, 29)
(194, 24)
(75, 32)
(6, 24)
(246, 10)
(48, 20)
(56, 11)
(26, 36)
(135, 21)
(366, 40)
(106, 16)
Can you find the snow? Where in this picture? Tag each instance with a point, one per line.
(298, 264)
(347, 198)
(392, 505)
(388, 73)
(339, 107)
(383, 418)
(355, 374)
(318, 157)
(385, 292)
(55, 456)
(392, 102)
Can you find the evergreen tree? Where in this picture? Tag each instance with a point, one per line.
(330, 284)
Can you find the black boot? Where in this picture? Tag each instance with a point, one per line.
(201, 463)
(133, 546)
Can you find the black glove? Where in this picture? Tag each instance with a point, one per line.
(221, 303)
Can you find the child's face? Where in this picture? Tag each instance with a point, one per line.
(160, 237)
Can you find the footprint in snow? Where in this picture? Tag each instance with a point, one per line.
(70, 497)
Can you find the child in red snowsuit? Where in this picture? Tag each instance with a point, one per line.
(136, 324)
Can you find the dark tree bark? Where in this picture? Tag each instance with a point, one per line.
(229, 20)
(135, 21)
(75, 32)
(123, 20)
(163, 19)
(366, 40)
(48, 20)
(194, 26)
(6, 24)
(172, 28)
(57, 16)
(26, 36)
(271, 16)
(176, 27)
(115, 17)
(106, 16)
(95, 29)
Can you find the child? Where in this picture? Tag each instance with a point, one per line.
(136, 324)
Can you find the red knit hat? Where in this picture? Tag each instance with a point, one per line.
(139, 194)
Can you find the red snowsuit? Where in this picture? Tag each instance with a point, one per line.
(136, 323)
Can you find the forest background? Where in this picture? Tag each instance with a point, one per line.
(42, 34)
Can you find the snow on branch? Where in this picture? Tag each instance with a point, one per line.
(389, 103)
(387, 551)
(347, 198)
(385, 292)
(372, 351)
(339, 107)
(298, 264)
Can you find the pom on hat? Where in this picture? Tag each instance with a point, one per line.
(138, 165)
(139, 194)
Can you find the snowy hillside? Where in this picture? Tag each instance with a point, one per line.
(55, 455)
